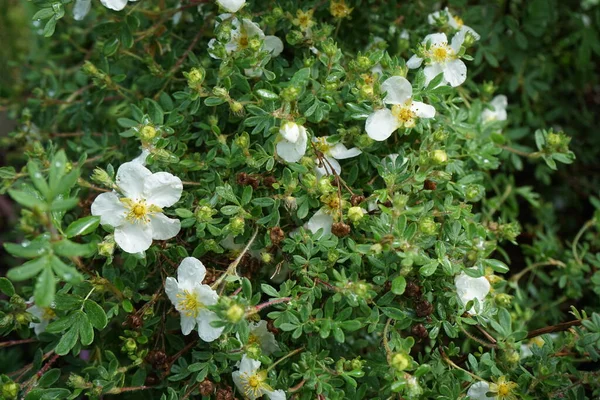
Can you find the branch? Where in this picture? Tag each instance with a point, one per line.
(563, 326)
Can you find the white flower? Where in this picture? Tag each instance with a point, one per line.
(43, 314)
(241, 35)
(320, 220)
(441, 58)
(81, 9)
(332, 153)
(469, 288)
(231, 5)
(499, 104)
(142, 157)
(478, 391)
(259, 334)
(191, 298)
(292, 146)
(404, 113)
(136, 213)
(252, 383)
(454, 21)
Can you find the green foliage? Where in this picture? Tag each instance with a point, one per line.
(425, 265)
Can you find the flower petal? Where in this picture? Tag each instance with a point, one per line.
(109, 208)
(455, 72)
(187, 324)
(435, 39)
(320, 220)
(423, 110)
(248, 365)
(381, 124)
(290, 131)
(275, 394)
(211, 47)
(205, 330)
(163, 227)
(116, 5)
(237, 380)
(251, 29)
(142, 157)
(431, 71)
(478, 391)
(341, 152)
(398, 90)
(206, 295)
(231, 5)
(172, 288)
(414, 62)
(131, 177)
(133, 238)
(191, 270)
(469, 288)
(162, 189)
(81, 9)
(273, 45)
(468, 29)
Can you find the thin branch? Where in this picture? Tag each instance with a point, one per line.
(563, 326)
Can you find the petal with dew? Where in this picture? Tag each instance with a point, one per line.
(478, 391)
(423, 110)
(289, 151)
(207, 332)
(436, 39)
(398, 89)
(187, 324)
(290, 131)
(273, 45)
(162, 189)
(191, 270)
(381, 124)
(341, 152)
(414, 62)
(455, 72)
(109, 208)
(131, 177)
(163, 227)
(172, 289)
(134, 238)
(275, 394)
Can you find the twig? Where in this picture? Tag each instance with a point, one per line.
(16, 342)
(584, 228)
(515, 278)
(563, 326)
(231, 270)
(452, 364)
(478, 340)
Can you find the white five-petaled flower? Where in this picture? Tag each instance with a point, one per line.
(231, 5)
(478, 391)
(191, 298)
(331, 153)
(136, 213)
(252, 382)
(440, 57)
(292, 146)
(454, 21)
(404, 113)
(469, 288)
(499, 104)
(260, 336)
(241, 35)
(320, 220)
(44, 316)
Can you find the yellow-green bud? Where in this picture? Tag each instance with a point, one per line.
(77, 382)
(469, 40)
(253, 351)
(361, 289)
(107, 247)
(488, 88)
(355, 214)
(204, 213)
(440, 135)
(277, 12)
(290, 93)
(503, 299)
(363, 62)
(553, 139)
(213, 120)
(266, 257)
(439, 156)
(6, 320)
(325, 186)
(220, 91)
(427, 226)
(400, 361)
(23, 318)
(101, 176)
(309, 180)
(236, 107)
(474, 192)
(195, 77)
(399, 201)
(294, 37)
(90, 68)
(235, 313)
(10, 390)
(512, 356)
(254, 44)
(290, 203)
(243, 140)
(18, 303)
(376, 248)
(237, 225)
(130, 345)
(147, 133)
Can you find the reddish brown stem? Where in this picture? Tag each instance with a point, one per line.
(563, 326)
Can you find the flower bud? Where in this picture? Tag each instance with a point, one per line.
(236, 107)
(310, 181)
(90, 69)
(130, 345)
(266, 257)
(440, 135)
(439, 156)
(290, 203)
(400, 361)
(399, 201)
(10, 390)
(553, 140)
(18, 303)
(325, 186)
(101, 176)
(237, 225)
(503, 299)
(474, 193)
(220, 92)
(204, 213)
(470, 40)
(355, 214)
(23, 318)
(107, 247)
(427, 226)
(147, 133)
(243, 140)
(290, 93)
(376, 248)
(212, 120)
(253, 351)
(195, 77)
(363, 62)
(294, 37)
(235, 313)
(277, 12)
(254, 44)
(330, 48)
(77, 382)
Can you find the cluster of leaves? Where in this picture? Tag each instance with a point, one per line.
(367, 311)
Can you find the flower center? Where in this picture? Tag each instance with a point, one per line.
(503, 389)
(459, 22)
(404, 114)
(138, 210)
(254, 384)
(243, 41)
(322, 145)
(440, 53)
(48, 313)
(189, 305)
(253, 339)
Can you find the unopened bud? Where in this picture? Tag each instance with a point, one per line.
(355, 214)
(101, 176)
(10, 390)
(427, 226)
(147, 133)
(439, 156)
(107, 247)
(235, 313)
(400, 361)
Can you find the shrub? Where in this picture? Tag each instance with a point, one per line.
(302, 199)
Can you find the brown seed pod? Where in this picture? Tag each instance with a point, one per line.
(412, 289)
(356, 199)
(206, 387)
(268, 181)
(225, 393)
(340, 229)
(157, 358)
(134, 321)
(429, 185)
(276, 235)
(420, 331)
(423, 308)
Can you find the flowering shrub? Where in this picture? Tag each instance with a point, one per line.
(302, 199)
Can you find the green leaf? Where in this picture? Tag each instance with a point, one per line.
(45, 287)
(393, 313)
(398, 285)
(58, 165)
(33, 249)
(29, 269)
(429, 268)
(86, 331)
(37, 178)
(6, 287)
(67, 182)
(496, 265)
(267, 94)
(82, 226)
(66, 248)
(96, 314)
(269, 290)
(49, 378)
(28, 200)
(60, 204)
(184, 213)
(65, 272)
(50, 26)
(69, 339)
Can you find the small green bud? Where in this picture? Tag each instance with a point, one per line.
(77, 382)
(277, 12)
(357, 363)
(399, 201)
(213, 120)
(254, 44)
(236, 107)
(355, 214)
(147, 133)
(266, 257)
(18, 303)
(511, 356)
(107, 246)
(470, 40)
(503, 299)
(427, 226)
(310, 181)
(6, 320)
(130, 345)
(553, 140)
(243, 140)
(10, 390)
(220, 92)
(439, 156)
(361, 289)
(363, 62)
(23, 318)
(290, 93)
(488, 88)
(332, 255)
(400, 361)
(290, 203)
(330, 48)
(364, 141)
(413, 389)
(101, 176)
(204, 213)
(294, 37)
(195, 77)
(90, 69)
(325, 186)
(440, 135)
(474, 193)
(237, 225)
(253, 351)
(376, 248)
(235, 313)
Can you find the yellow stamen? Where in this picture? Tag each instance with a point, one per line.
(459, 22)
(48, 313)
(189, 305)
(322, 145)
(440, 53)
(254, 385)
(138, 211)
(404, 114)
